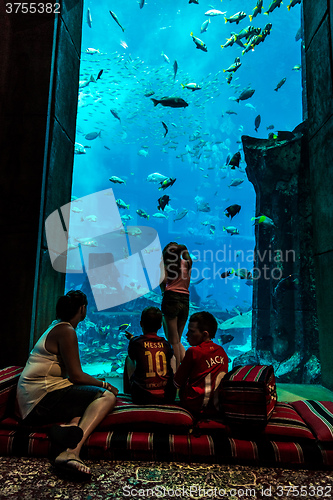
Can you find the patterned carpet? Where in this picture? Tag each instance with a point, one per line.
(36, 479)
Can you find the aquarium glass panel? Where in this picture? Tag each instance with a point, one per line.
(167, 89)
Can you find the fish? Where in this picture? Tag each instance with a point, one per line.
(273, 5)
(298, 35)
(79, 149)
(293, 3)
(143, 152)
(257, 122)
(214, 12)
(204, 26)
(158, 215)
(116, 180)
(247, 32)
(115, 114)
(232, 211)
(171, 102)
(124, 327)
(246, 94)
(142, 213)
(234, 161)
(191, 86)
(91, 50)
(236, 182)
(236, 18)
(230, 112)
(87, 242)
(89, 19)
(141, 3)
(113, 15)
(156, 177)
(99, 75)
(85, 83)
(175, 69)
(203, 207)
(257, 10)
(180, 215)
(234, 67)
(242, 273)
(264, 220)
(226, 339)
(91, 218)
(279, 85)
(239, 321)
(270, 127)
(165, 128)
(197, 282)
(149, 93)
(163, 201)
(121, 204)
(225, 274)
(199, 43)
(92, 135)
(165, 57)
(194, 1)
(231, 230)
(166, 183)
(297, 67)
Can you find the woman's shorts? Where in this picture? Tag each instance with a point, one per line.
(63, 405)
(175, 305)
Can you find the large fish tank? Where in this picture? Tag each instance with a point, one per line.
(151, 50)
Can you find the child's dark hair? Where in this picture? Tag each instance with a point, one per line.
(172, 256)
(69, 304)
(151, 319)
(206, 322)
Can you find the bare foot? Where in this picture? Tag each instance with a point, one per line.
(69, 462)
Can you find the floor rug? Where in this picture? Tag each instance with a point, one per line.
(36, 479)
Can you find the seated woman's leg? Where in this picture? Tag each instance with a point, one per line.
(92, 416)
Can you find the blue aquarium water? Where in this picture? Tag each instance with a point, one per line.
(146, 50)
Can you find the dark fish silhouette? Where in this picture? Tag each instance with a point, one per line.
(171, 102)
(115, 115)
(257, 122)
(166, 128)
(116, 19)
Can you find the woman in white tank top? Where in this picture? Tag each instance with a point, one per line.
(53, 387)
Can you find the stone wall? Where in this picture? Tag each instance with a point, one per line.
(284, 329)
(318, 37)
(39, 69)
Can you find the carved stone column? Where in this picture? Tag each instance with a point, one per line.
(284, 329)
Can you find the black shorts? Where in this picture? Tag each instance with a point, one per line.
(63, 405)
(175, 305)
(141, 396)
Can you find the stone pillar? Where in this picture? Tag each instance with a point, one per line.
(39, 70)
(318, 22)
(284, 330)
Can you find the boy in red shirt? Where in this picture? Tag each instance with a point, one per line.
(203, 367)
(148, 375)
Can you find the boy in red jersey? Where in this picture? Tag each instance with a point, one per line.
(203, 367)
(148, 375)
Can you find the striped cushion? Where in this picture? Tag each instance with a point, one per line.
(146, 417)
(248, 396)
(124, 445)
(8, 382)
(319, 417)
(285, 424)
